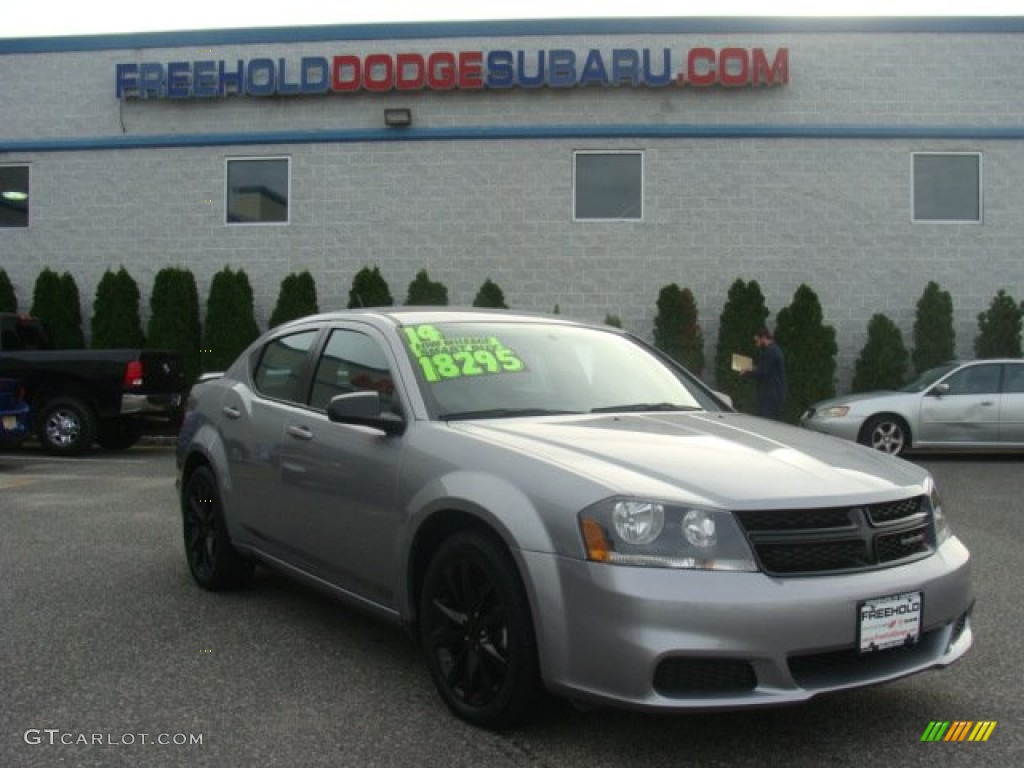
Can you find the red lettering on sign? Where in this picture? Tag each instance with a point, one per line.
(700, 67)
(379, 74)
(346, 73)
(471, 70)
(441, 71)
(411, 72)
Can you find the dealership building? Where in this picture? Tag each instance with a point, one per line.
(582, 164)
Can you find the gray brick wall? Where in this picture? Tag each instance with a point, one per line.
(831, 212)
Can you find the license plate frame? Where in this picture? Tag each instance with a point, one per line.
(892, 621)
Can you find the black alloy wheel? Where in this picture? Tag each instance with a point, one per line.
(212, 559)
(476, 631)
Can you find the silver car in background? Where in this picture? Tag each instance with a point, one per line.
(552, 506)
(977, 404)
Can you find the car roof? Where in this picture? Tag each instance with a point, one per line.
(423, 315)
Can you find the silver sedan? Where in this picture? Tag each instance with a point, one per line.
(555, 507)
(977, 404)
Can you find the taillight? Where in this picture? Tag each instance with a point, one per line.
(133, 374)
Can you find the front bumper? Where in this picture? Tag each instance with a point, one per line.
(845, 427)
(660, 639)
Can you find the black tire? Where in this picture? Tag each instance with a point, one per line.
(476, 631)
(118, 434)
(212, 559)
(66, 427)
(888, 434)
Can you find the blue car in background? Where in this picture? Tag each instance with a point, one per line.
(14, 413)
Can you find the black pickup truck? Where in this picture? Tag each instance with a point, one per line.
(81, 396)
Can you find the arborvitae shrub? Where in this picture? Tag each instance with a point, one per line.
(810, 349)
(230, 320)
(613, 320)
(8, 301)
(934, 336)
(297, 298)
(999, 328)
(424, 292)
(883, 360)
(56, 302)
(677, 331)
(743, 315)
(115, 312)
(490, 295)
(174, 317)
(369, 289)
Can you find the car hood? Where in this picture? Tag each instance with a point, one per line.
(727, 460)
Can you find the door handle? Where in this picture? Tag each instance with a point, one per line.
(302, 433)
(231, 412)
(987, 402)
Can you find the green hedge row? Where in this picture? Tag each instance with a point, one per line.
(808, 343)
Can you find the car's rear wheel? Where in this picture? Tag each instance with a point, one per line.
(477, 633)
(888, 434)
(66, 427)
(213, 561)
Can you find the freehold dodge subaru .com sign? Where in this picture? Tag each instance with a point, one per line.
(699, 67)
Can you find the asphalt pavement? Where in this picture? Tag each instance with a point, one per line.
(111, 656)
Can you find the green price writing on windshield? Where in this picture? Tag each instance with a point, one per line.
(443, 358)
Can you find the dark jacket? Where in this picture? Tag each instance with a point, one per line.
(770, 373)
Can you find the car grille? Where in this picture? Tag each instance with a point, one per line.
(840, 539)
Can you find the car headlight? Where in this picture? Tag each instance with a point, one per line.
(643, 532)
(834, 412)
(942, 529)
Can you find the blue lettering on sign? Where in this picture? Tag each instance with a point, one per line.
(232, 82)
(205, 84)
(593, 70)
(650, 78)
(500, 69)
(179, 80)
(151, 80)
(260, 78)
(526, 81)
(625, 67)
(563, 69)
(315, 75)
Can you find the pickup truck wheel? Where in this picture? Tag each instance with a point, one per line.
(66, 427)
(118, 434)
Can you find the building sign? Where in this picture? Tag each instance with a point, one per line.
(448, 70)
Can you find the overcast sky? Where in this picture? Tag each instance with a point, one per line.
(43, 18)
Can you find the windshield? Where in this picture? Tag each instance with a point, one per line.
(495, 369)
(926, 379)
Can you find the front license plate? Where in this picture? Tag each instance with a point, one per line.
(890, 622)
(10, 422)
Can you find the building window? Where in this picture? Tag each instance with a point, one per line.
(13, 195)
(258, 190)
(946, 186)
(608, 186)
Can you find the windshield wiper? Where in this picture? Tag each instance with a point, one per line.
(640, 407)
(503, 413)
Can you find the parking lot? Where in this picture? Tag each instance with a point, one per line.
(110, 655)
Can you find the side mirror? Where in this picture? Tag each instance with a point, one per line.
(363, 409)
(940, 389)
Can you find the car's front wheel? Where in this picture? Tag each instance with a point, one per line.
(477, 633)
(212, 559)
(888, 434)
